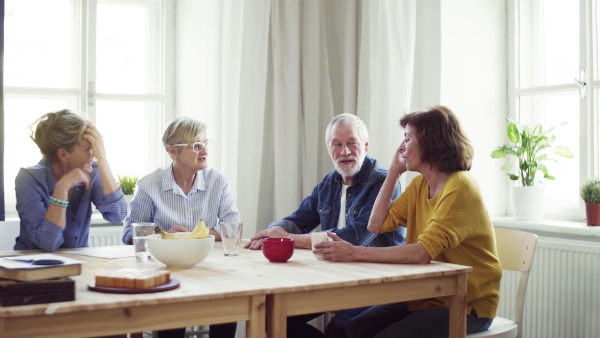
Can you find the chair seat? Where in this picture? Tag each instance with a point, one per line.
(501, 327)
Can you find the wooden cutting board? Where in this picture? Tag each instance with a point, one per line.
(170, 285)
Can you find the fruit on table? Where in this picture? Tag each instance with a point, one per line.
(200, 231)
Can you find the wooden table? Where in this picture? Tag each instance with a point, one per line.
(205, 296)
(306, 285)
(244, 288)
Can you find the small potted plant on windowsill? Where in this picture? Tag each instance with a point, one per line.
(528, 147)
(127, 183)
(590, 193)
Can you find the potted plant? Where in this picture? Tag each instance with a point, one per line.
(127, 183)
(529, 147)
(590, 193)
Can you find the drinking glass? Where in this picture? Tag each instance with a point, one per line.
(140, 243)
(231, 235)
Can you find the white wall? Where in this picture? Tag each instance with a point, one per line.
(461, 63)
(473, 82)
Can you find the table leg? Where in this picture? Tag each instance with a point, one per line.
(255, 326)
(276, 315)
(458, 308)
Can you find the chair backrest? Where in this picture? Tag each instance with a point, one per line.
(515, 250)
(9, 230)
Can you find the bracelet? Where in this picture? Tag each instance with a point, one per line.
(60, 203)
(63, 189)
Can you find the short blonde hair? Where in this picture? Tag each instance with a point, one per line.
(182, 130)
(55, 130)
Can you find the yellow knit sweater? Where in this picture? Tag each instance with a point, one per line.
(454, 227)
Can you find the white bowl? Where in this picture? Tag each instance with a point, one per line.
(180, 253)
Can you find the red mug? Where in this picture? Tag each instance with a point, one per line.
(278, 250)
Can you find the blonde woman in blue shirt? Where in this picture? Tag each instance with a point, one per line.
(176, 197)
(55, 196)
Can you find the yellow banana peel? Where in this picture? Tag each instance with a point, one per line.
(164, 234)
(200, 231)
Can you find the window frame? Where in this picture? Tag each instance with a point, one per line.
(83, 74)
(588, 127)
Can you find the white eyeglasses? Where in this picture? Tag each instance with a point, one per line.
(197, 146)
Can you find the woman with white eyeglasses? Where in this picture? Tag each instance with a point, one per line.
(184, 192)
(176, 197)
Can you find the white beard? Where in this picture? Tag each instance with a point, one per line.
(352, 171)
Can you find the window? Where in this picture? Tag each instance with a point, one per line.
(103, 57)
(554, 78)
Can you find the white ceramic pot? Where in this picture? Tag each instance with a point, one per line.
(528, 202)
(128, 198)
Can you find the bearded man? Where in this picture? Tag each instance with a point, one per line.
(340, 203)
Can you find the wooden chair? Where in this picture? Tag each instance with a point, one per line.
(515, 250)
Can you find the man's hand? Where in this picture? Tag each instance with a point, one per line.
(275, 232)
(337, 250)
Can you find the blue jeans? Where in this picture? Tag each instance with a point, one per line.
(395, 320)
(336, 328)
(298, 327)
(226, 330)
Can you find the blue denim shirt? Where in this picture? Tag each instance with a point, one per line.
(323, 207)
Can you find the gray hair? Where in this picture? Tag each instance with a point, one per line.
(182, 130)
(346, 119)
(55, 130)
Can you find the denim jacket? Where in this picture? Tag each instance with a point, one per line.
(323, 207)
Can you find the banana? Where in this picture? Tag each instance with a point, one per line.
(200, 231)
(164, 234)
(200, 226)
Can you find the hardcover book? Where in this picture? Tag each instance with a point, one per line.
(25, 268)
(14, 293)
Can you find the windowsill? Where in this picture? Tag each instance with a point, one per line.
(551, 228)
(543, 227)
(97, 220)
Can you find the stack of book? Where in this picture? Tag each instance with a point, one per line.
(23, 282)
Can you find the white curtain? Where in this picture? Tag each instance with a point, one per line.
(267, 76)
(386, 72)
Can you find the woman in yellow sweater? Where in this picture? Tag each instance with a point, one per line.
(446, 220)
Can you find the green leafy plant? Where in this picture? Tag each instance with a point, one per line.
(528, 145)
(127, 184)
(590, 191)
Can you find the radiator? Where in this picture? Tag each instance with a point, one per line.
(563, 294)
(105, 235)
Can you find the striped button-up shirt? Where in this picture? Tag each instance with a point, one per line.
(159, 199)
